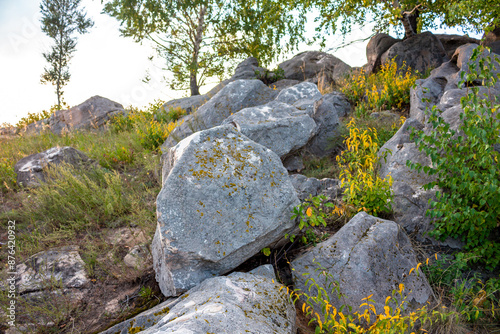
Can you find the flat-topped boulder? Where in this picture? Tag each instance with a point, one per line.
(278, 126)
(224, 198)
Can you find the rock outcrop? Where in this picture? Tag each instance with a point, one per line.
(376, 47)
(420, 52)
(367, 256)
(224, 198)
(232, 98)
(318, 67)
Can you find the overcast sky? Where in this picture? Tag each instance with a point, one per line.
(104, 64)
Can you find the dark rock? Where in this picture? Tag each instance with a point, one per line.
(421, 52)
(376, 47)
(452, 42)
(316, 66)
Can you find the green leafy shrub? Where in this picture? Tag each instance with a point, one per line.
(363, 188)
(172, 115)
(313, 212)
(467, 205)
(269, 77)
(468, 295)
(388, 88)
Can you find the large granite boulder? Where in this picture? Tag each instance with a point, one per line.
(367, 256)
(238, 303)
(232, 98)
(420, 52)
(91, 114)
(299, 92)
(315, 66)
(224, 198)
(30, 169)
(376, 47)
(278, 126)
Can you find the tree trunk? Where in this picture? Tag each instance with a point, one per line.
(193, 72)
(410, 23)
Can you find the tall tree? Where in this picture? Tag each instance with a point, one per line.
(412, 15)
(60, 20)
(202, 38)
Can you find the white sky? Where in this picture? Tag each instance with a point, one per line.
(104, 64)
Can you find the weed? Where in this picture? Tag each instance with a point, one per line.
(389, 88)
(364, 189)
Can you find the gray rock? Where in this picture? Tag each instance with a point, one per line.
(232, 98)
(283, 83)
(293, 163)
(139, 258)
(367, 256)
(411, 201)
(224, 198)
(64, 266)
(452, 42)
(420, 52)
(143, 320)
(492, 40)
(307, 186)
(247, 69)
(30, 169)
(301, 91)
(239, 303)
(317, 66)
(275, 125)
(326, 113)
(265, 270)
(91, 114)
(9, 131)
(376, 47)
(190, 104)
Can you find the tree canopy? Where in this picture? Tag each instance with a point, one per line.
(60, 20)
(413, 15)
(203, 38)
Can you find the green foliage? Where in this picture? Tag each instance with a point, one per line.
(60, 19)
(313, 212)
(172, 115)
(117, 158)
(413, 15)
(32, 118)
(363, 188)
(204, 38)
(465, 163)
(269, 77)
(7, 175)
(388, 88)
(469, 296)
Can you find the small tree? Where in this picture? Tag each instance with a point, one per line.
(200, 39)
(60, 19)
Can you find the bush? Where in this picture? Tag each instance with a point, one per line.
(467, 205)
(172, 115)
(35, 117)
(364, 189)
(388, 88)
(7, 176)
